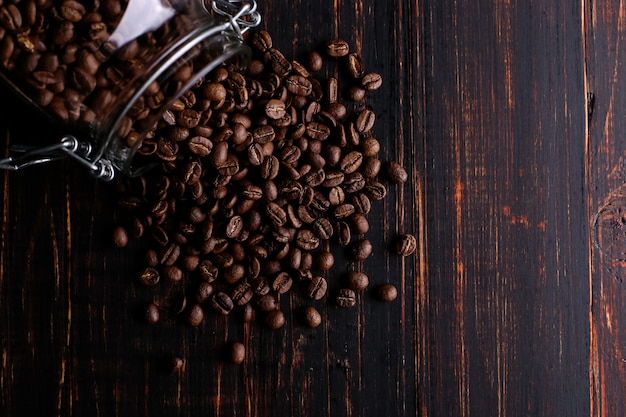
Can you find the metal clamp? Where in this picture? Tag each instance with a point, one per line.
(27, 156)
(242, 14)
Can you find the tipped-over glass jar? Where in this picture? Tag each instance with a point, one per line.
(106, 70)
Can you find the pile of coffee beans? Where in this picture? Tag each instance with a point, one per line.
(258, 174)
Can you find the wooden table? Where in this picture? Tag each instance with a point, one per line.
(509, 116)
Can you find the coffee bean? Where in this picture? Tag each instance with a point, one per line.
(324, 261)
(345, 298)
(311, 317)
(237, 353)
(354, 65)
(317, 287)
(262, 40)
(275, 319)
(276, 214)
(175, 364)
(266, 302)
(376, 191)
(332, 90)
(356, 93)
(314, 61)
(371, 81)
(371, 167)
(396, 173)
(337, 48)
(195, 316)
(149, 276)
(351, 162)
(386, 292)
(322, 228)
(343, 233)
(203, 292)
(152, 314)
(361, 249)
(406, 244)
(306, 240)
(282, 283)
(120, 237)
(242, 293)
(298, 85)
(222, 303)
(360, 224)
(365, 121)
(357, 281)
(173, 273)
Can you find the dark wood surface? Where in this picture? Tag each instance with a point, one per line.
(509, 116)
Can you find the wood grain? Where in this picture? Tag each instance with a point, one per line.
(508, 116)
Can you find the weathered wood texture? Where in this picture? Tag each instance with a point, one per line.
(508, 308)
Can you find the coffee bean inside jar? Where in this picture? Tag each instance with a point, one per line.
(108, 70)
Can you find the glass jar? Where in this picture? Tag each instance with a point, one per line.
(106, 70)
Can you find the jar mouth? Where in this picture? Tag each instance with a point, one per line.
(217, 45)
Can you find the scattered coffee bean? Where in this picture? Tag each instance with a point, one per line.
(386, 292)
(120, 237)
(152, 314)
(149, 277)
(195, 315)
(237, 352)
(396, 173)
(311, 317)
(275, 319)
(358, 281)
(337, 48)
(361, 249)
(406, 244)
(175, 364)
(345, 298)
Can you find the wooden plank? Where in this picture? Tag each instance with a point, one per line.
(604, 82)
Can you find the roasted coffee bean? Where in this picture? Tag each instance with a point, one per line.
(376, 190)
(203, 292)
(149, 277)
(336, 196)
(365, 121)
(208, 272)
(269, 167)
(234, 227)
(306, 240)
(361, 203)
(276, 214)
(152, 313)
(242, 293)
(343, 233)
(356, 93)
(386, 292)
(222, 303)
(324, 261)
(396, 173)
(247, 313)
(333, 179)
(282, 283)
(357, 281)
(275, 319)
(266, 302)
(195, 315)
(311, 317)
(173, 273)
(361, 249)
(332, 90)
(237, 353)
(345, 298)
(317, 287)
(370, 146)
(406, 244)
(343, 211)
(371, 167)
(351, 162)
(354, 65)
(317, 131)
(10, 17)
(314, 61)
(169, 254)
(298, 85)
(337, 48)
(371, 81)
(322, 228)
(120, 237)
(360, 224)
